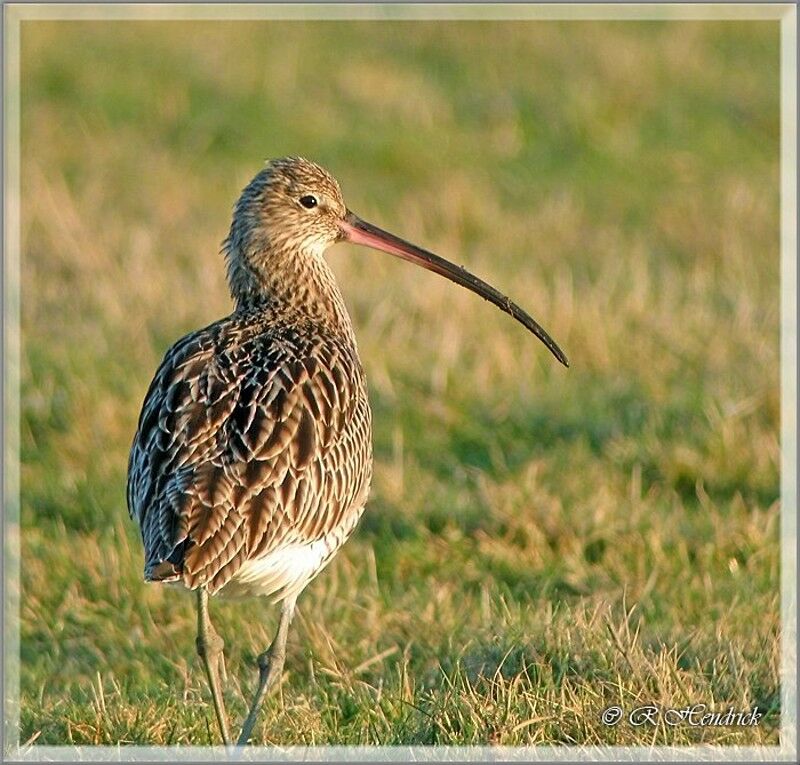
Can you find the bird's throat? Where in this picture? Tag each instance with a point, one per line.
(301, 284)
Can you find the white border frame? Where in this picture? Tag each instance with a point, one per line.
(786, 13)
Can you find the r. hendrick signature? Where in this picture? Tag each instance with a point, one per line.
(696, 716)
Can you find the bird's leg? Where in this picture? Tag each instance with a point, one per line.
(209, 647)
(270, 669)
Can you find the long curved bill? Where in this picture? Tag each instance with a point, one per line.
(358, 231)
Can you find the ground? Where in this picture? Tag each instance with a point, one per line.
(541, 543)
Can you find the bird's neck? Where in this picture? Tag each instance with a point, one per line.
(299, 287)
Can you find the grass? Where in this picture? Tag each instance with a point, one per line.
(541, 543)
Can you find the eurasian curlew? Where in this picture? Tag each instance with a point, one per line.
(252, 460)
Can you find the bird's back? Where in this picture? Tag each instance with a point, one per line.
(252, 460)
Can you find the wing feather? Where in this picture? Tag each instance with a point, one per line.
(248, 439)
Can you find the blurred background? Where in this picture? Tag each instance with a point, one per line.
(540, 543)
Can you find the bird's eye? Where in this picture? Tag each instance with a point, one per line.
(308, 201)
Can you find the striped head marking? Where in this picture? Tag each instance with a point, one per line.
(291, 209)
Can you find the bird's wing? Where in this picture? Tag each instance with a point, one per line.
(242, 447)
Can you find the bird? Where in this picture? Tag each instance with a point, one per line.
(252, 460)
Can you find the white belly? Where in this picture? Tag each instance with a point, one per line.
(280, 574)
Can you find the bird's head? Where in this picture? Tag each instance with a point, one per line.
(293, 210)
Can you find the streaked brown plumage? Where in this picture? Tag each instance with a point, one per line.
(256, 431)
(255, 434)
(252, 460)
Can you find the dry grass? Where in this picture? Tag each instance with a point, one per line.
(541, 543)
